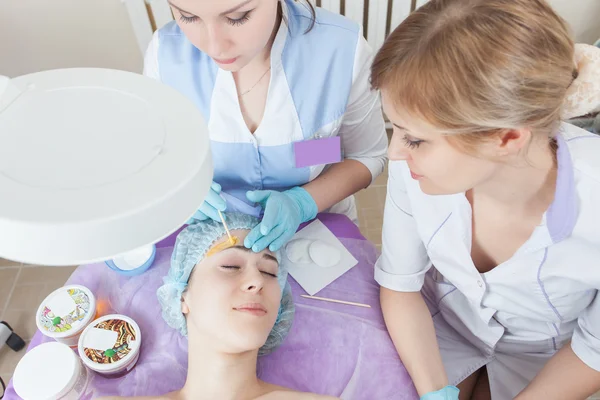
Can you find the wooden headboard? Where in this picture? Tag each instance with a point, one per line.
(378, 17)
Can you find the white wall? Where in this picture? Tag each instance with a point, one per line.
(582, 15)
(38, 35)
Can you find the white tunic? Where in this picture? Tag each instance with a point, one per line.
(515, 317)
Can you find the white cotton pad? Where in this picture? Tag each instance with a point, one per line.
(324, 254)
(297, 251)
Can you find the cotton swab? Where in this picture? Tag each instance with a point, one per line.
(336, 301)
(226, 228)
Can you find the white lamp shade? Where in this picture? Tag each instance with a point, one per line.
(95, 163)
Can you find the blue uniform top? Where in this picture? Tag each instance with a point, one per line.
(319, 86)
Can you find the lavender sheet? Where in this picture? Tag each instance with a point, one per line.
(332, 349)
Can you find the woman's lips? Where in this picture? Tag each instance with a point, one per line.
(225, 62)
(252, 308)
(415, 176)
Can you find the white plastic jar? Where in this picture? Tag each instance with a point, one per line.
(135, 262)
(65, 313)
(50, 371)
(111, 345)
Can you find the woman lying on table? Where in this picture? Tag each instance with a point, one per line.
(233, 305)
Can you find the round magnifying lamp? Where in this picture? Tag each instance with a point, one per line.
(96, 163)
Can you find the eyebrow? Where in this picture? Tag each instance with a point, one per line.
(233, 9)
(399, 127)
(180, 9)
(247, 250)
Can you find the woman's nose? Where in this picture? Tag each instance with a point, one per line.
(397, 150)
(217, 42)
(253, 282)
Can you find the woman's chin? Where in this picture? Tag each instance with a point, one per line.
(238, 343)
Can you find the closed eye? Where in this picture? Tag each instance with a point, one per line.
(236, 268)
(269, 274)
(240, 21)
(412, 143)
(186, 19)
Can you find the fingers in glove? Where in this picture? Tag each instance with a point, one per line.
(259, 196)
(216, 201)
(198, 216)
(271, 217)
(252, 237)
(281, 240)
(210, 211)
(216, 187)
(266, 240)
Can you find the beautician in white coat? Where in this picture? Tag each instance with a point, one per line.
(286, 95)
(490, 266)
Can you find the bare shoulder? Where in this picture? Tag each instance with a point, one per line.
(124, 398)
(166, 397)
(284, 394)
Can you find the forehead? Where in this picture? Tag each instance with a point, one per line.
(400, 117)
(209, 7)
(395, 111)
(241, 235)
(387, 102)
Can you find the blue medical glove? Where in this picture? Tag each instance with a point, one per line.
(212, 203)
(447, 393)
(283, 214)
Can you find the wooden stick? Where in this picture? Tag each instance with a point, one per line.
(336, 301)
(226, 228)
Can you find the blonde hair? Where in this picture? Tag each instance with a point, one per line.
(477, 67)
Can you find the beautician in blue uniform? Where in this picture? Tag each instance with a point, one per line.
(295, 127)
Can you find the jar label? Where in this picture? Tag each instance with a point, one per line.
(57, 317)
(124, 343)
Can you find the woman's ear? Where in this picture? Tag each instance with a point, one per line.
(513, 141)
(185, 309)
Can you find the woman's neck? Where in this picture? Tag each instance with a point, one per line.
(214, 375)
(526, 187)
